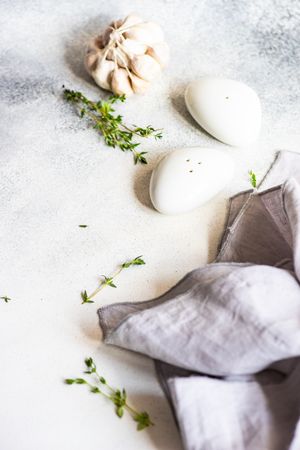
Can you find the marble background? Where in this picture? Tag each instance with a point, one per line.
(55, 174)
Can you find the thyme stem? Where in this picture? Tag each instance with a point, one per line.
(111, 126)
(117, 396)
(109, 281)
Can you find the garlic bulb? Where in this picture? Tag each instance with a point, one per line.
(127, 55)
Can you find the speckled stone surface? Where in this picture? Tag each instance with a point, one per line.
(55, 174)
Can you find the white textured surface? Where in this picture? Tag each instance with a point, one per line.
(56, 174)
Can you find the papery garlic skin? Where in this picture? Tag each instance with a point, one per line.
(120, 82)
(117, 23)
(147, 32)
(133, 47)
(103, 72)
(127, 55)
(91, 60)
(130, 20)
(118, 56)
(105, 36)
(93, 54)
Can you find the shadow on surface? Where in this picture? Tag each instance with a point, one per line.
(141, 186)
(76, 44)
(147, 396)
(164, 434)
(178, 103)
(92, 332)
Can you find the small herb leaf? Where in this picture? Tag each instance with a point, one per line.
(252, 178)
(85, 298)
(115, 133)
(95, 390)
(138, 261)
(116, 396)
(80, 381)
(143, 420)
(120, 411)
(109, 280)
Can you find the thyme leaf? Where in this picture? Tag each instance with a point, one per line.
(252, 178)
(117, 396)
(111, 126)
(109, 280)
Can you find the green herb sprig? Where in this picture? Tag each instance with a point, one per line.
(117, 396)
(252, 178)
(109, 281)
(110, 126)
(5, 298)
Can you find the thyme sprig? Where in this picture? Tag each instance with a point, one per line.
(109, 281)
(252, 179)
(5, 298)
(111, 126)
(117, 396)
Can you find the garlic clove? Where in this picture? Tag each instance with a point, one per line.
(120, 83)
(131, 20)
(148, 33)
(133, 47)
(106, 35)
(102, 73)
(98, 41)
(90, 60)
(139, 85)
(93, 52)
(95, 44)
(160, 52)
(144, 66)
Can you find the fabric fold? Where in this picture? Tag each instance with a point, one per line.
(226, 338)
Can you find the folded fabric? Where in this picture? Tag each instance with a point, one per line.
(226, 338)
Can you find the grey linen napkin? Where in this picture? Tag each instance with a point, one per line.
(226, 338)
